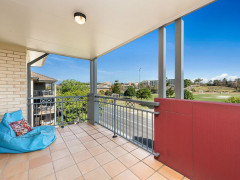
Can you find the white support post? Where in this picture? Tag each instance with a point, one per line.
(93, 107)
(179, 59)
(162, 63)
(29, 89)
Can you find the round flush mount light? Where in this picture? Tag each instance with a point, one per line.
(80, 18)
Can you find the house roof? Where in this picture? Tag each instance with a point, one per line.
(49, 26)
(42, 78)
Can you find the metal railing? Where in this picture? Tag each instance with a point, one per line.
(43, 92)
(57, 110)
(129, 119)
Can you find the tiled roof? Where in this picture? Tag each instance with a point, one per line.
(41, 77)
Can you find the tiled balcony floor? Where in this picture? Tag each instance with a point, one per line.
(86, 152)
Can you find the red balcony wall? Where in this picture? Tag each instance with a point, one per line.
(199, 139)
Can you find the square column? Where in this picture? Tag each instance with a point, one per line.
(179, 59)
(162, 63)
(93, 105)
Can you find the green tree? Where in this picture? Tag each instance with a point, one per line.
(101, 92)
(169, 92)
(198, 80)
(108, 93)
(116, 88)
(188, 95)
(72, 88)
(216, 82)
(233, 100)
(74, 108)
(130, 92)
(187, 83)
(143, 94)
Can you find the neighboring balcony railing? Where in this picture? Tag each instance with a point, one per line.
(43, 93)
(128, 119)
(58, 111)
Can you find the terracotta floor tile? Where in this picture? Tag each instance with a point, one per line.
(63, 163)
(128, 160)
(85, 139)
(14, 168)
(49, 177)
(107, 132)
(152, 162)
(15, 158)
(126, 175)
(39, 161)
(97, 150)
(80, 178)
(73, 142)
(101, 129)
(109, 145)
(81, 135)
(170, 173)
(120, 141)
(76, 148)
(60, 154)
(129, 147)
(88, 165)
(4, 156)
(2, 163)
(140, 153)
(69, 173)
(21, 176)
(36, 154)
(69, 138)
(118, 151)
(41, 171)
(100, 173)
(104, 158)
(90, 144)
(157, 176)
(58, 140)
(98, 135)
(81, 156)
(57, 147)
(114, 167)
(142, 170)
(68, 133)
(102, 140)
(92, 132)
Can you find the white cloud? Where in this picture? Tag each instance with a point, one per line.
(220, 77)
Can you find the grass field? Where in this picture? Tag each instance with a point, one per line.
(214, 97)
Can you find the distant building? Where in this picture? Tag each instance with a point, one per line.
(43, 86)
(154, 83)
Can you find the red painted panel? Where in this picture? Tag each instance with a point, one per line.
(173, 136)
(199, 139)
(216, 141)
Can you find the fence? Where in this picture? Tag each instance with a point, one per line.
(57, 111)
(128, 119)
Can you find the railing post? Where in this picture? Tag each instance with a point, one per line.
(62, 126)
(114, 115)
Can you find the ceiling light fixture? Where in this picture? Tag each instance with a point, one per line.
(80, 18)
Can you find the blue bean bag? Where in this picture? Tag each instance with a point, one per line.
(37, 139)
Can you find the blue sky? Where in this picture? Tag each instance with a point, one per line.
(212, 51)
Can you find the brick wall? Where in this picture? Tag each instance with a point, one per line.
(13, 80)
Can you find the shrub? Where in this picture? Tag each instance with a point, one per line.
(188, 95)
(170, 92)
(233, 100)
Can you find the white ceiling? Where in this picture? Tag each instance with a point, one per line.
(49, 26)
